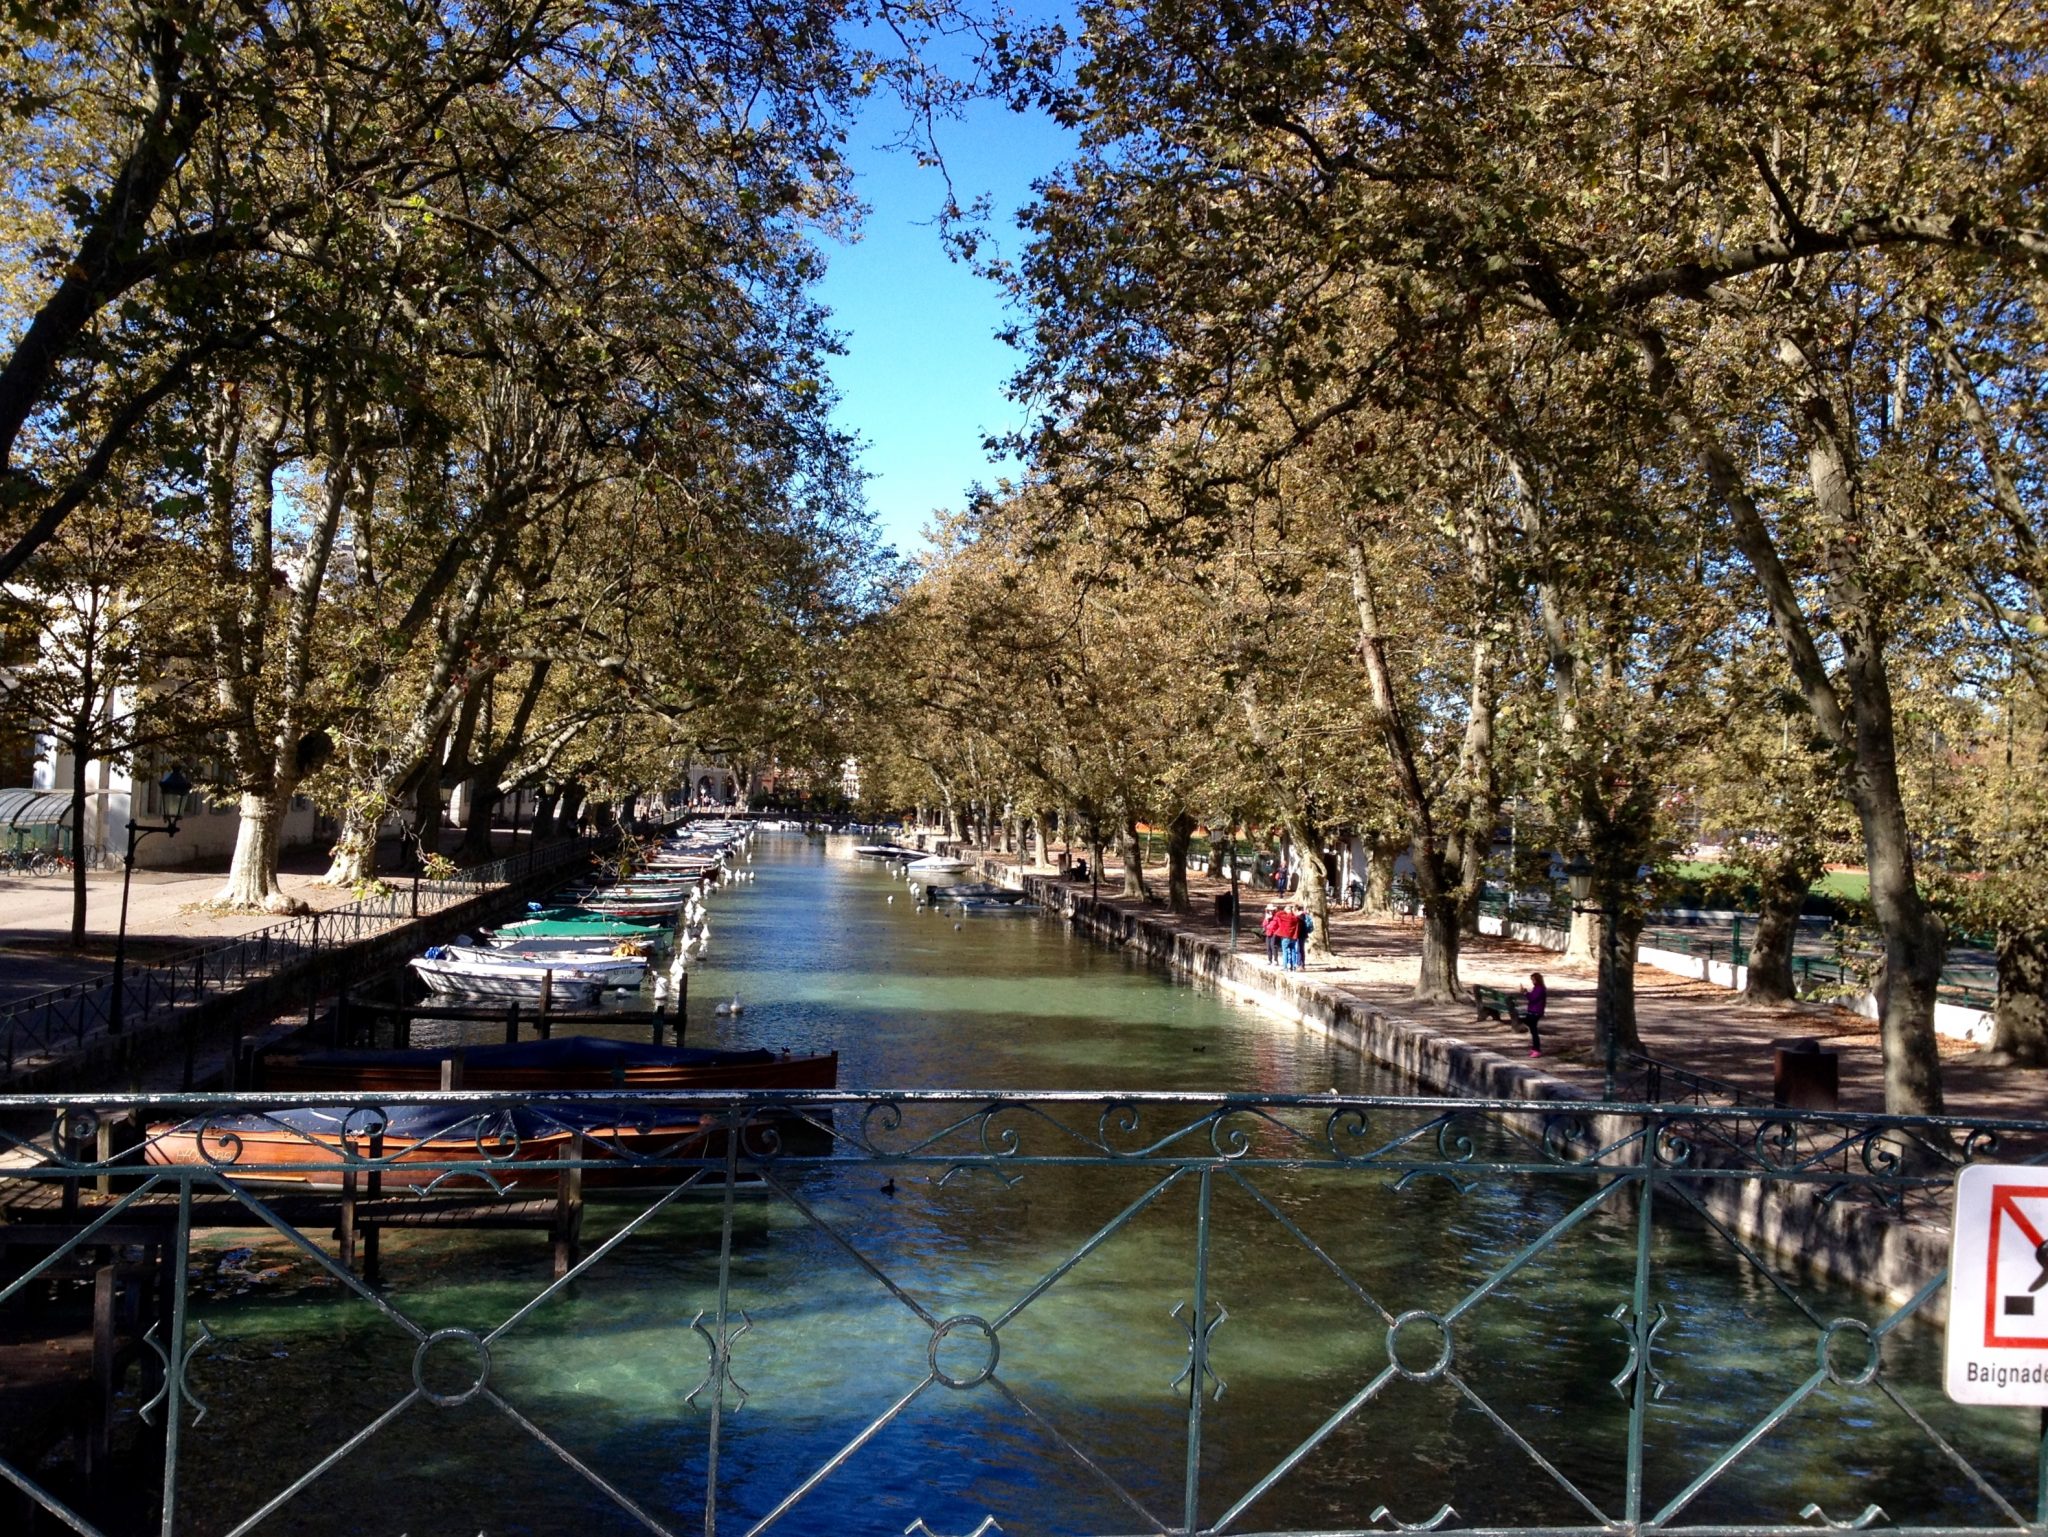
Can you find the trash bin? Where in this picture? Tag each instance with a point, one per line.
(1804, 1077)
(1226, 906)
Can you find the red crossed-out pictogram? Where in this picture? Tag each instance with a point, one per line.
(2016, 1280)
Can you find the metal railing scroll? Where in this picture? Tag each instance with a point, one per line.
(63, 1019)
(947, 1312)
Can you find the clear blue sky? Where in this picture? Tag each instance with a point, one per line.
(923, 375)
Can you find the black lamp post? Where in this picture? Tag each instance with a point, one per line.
(176, 791)
(1579, 879)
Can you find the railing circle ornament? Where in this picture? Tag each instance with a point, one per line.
(1844, 1367)
(992, 1348)
(1411, 1327)
(481, 1375)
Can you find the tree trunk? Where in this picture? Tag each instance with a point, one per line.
(426, 810)
(1314, 894)
(1437, 980)
(1777, 930)
(1180, 833)
(355, 850)
(481, 798)
(1615, 1000)
(1379, 880)
(81, 735)
(1134, 858)
(252, 870)
(2020, 1033)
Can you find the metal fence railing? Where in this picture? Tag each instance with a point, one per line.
(49, 1024)
(1841, 974)
(954, 1311)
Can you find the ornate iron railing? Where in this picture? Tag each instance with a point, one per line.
(49, 1024)
(944, 1312)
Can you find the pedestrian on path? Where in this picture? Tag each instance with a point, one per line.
(1290, 938)
(1308, 927)
(1270, 927)
(1533, 1004)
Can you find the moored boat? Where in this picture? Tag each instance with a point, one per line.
(985, 891)
(623, 973)
(566, 1062)
(413, 1146)
(565, 986)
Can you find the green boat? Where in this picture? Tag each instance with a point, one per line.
(575, 923)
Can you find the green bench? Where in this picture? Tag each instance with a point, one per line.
(1500, 1003)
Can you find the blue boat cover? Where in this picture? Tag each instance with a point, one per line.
(578, 1051)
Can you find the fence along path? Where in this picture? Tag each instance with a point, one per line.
(46, 1027)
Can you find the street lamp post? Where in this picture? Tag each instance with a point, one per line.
(175, 790)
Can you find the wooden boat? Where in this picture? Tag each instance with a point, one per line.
(415, 1144)
(633, 907)
(568, 1062)
(936, 864)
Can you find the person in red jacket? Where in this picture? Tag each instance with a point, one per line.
(1289, 925)
(1270, 927)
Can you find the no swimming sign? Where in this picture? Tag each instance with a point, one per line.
(1998, 1287)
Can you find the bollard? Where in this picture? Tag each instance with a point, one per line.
(656, 1021)
(1803, 1076)
(512, 1023)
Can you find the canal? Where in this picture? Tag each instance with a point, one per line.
(1083, 1427)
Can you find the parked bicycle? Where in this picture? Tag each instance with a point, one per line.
(34, 862)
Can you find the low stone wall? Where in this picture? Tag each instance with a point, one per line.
(1891, 1256)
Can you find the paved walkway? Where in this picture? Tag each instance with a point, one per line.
(1693, 1025)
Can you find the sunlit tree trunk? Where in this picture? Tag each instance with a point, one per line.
(1180, 833)
(1133, 856)
(1770, 979)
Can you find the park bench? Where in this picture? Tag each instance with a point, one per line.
(1500, 1003)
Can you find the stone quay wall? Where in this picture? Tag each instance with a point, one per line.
(1889, 1255)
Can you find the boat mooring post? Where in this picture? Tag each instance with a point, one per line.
(568, 1223)
(655, 1022)
(512, 1023)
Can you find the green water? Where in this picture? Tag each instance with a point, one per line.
(821, 959)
